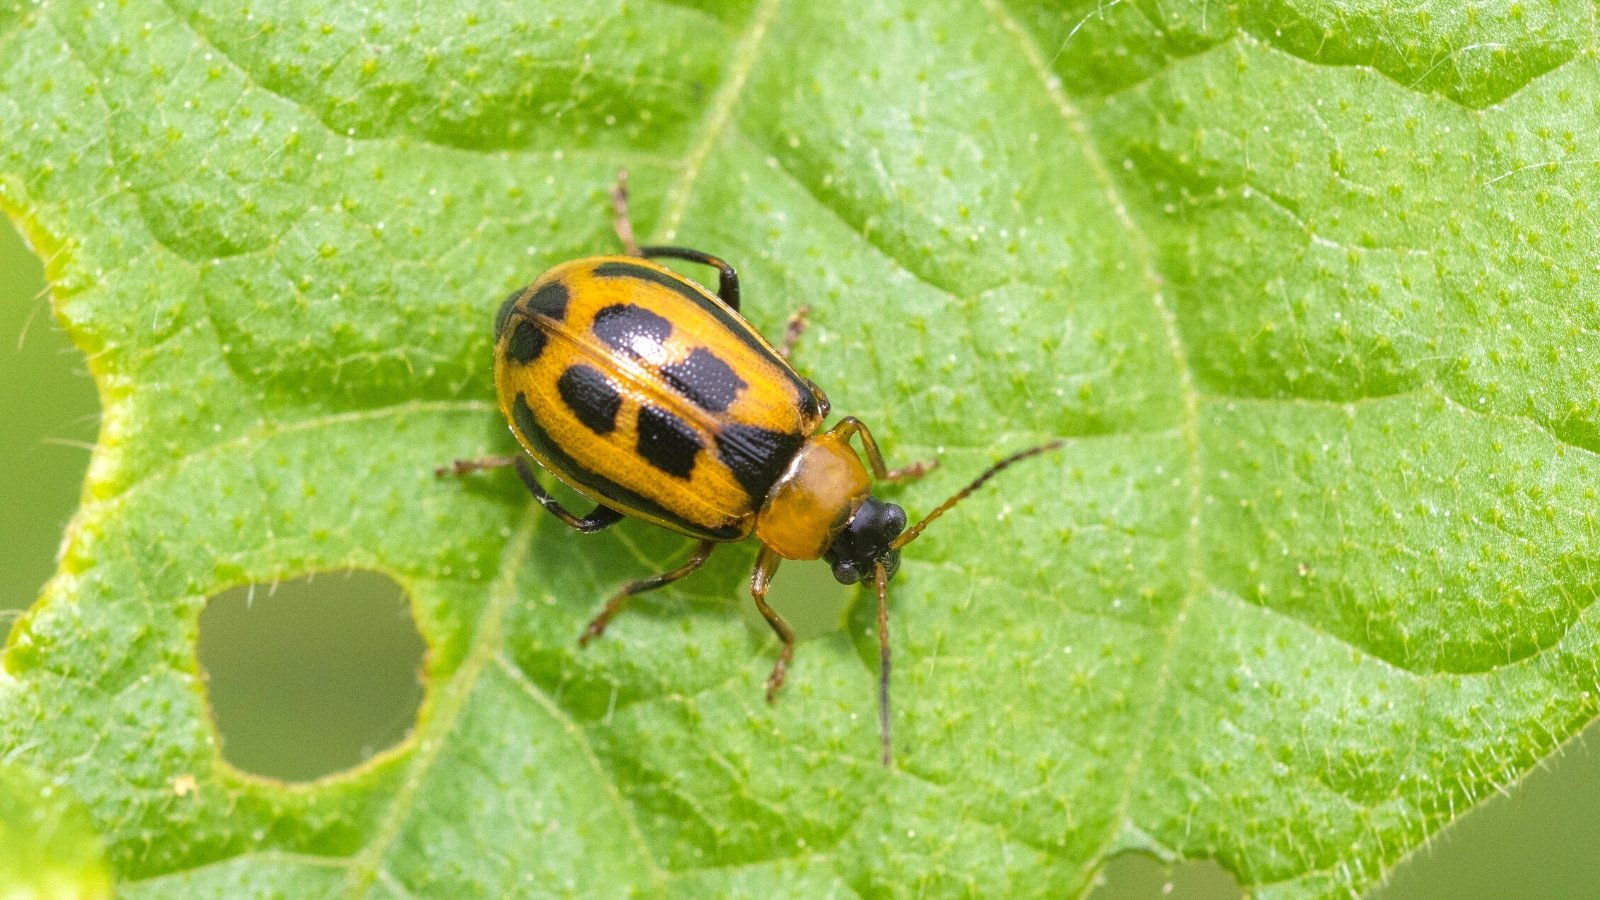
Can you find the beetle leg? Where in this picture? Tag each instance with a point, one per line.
(911, 472)
(728, 278)
(760, 580)
(601, 516)
(792, 331)
(728, 283)
(597, 626)
(620, 222)
(466, 466)
(850, 426)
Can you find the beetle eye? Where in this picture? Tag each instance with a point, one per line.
(846, 572)
(893, 522)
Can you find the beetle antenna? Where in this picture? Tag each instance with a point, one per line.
(911, 533)
(881, 578)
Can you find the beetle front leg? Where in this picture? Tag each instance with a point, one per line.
(850, 426)
(760, 581)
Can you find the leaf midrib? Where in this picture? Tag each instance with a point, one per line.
(485, 647)
(716, 119)
(1139, 246)
(431, 739)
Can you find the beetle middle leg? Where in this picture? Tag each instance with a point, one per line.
(727, 276)
(622, 223)
(597, 626)
(760, 581)
(850, 426)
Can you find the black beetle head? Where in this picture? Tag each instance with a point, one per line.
(865, 540)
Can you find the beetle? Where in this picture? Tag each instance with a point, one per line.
(651, 396)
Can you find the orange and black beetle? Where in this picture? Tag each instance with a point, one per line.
(651, 396)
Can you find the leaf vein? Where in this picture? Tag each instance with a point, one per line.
(306, 859)
(581, 737)
(187, 21)
(859, 230)
(271, 430)
(433, 735)
(1139, 246)
(717, 118)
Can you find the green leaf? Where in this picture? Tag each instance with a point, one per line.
(1309, 288)
(47, 847)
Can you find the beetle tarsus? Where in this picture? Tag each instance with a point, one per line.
(793, 331)
(620, 221)
(780, 671)
(596, 628)
(911, 472)
(468, 466)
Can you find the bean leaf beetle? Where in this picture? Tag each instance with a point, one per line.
(650, 395)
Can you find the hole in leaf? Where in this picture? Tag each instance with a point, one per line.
(312, 676)
(1138, 876)
(48, 417)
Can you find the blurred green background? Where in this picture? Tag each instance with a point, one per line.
(310, 677)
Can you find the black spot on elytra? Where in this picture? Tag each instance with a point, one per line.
(504, 315)
(591, 397)
(623, 327)
(550, 301)
(756, 456)
(667, 442)
(601, 486)
(526, 342)
(737, 326)
(706, 380)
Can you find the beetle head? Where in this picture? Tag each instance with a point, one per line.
(867, 539)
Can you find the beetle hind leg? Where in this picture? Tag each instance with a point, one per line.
(727, 276)
(600, 517)
(597, 626)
